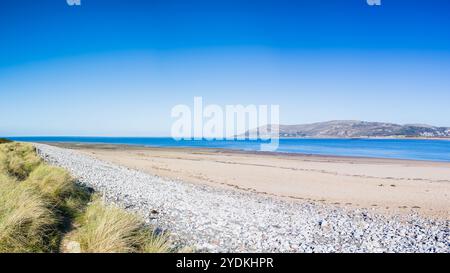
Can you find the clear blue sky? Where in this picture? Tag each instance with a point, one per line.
(117, 67)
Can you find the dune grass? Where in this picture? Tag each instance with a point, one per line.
(112, 230)
(41, 204)
(18, 159)
(59, 189)
(27, 223)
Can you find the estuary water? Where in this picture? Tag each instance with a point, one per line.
(414, 149)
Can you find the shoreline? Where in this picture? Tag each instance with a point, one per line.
(212, 219)
(388, 186)
(281, 137)
(231, 150)
(390, 138)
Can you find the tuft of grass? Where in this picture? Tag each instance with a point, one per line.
(59, 188)
(154, 242)
(55, 183)
(26, 222)
(109, 229)
(3, 162)
(18, 159)
(74, 205)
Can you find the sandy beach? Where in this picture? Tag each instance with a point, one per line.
(211, 218)
(384, 185)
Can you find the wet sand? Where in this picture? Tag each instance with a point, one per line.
(385, 185)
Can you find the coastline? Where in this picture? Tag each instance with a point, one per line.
(82, 145)
(388, 186)
(404, 149)
(390, 138)
(214, 219)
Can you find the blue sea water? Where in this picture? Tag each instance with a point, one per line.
(431, 150)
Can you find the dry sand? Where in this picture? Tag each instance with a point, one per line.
(385, 185)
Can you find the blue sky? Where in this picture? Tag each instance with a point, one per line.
(118, 67)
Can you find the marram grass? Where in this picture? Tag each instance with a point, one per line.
(109, 229)
(41, 204)
(27, 223)
(55, 183)
(18, 159)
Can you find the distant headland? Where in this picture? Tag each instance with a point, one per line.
(361, 129)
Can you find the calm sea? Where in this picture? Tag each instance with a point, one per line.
(433, 150)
